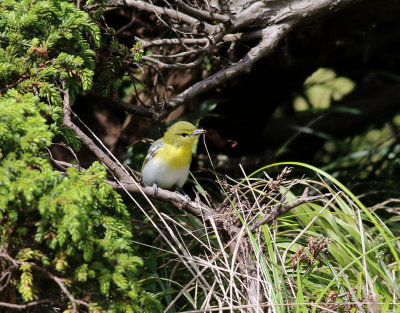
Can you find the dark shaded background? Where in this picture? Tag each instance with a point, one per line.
(361, 43)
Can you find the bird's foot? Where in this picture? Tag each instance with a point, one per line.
(155, 189)
(184, 193)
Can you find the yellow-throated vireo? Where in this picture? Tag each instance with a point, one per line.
(168, 159)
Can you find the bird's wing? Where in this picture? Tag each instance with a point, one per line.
(152, 151)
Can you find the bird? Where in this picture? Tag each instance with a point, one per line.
(168, 160)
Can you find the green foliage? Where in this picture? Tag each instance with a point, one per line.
(43, 42)
(72, 226)
(321, 88)
(113, 66)
(78, 226)
(151, 304)
(137, 51)
(25, 285)
(372, 156)
(22, 128)
(101, 8)
(338, 246)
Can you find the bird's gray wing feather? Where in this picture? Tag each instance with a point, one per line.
(152, 151)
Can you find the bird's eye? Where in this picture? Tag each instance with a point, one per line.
(184, 134)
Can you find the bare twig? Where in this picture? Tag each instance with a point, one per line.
(182, 54)
(132, 20)
(202, 14)
(255, 35)
(165, 85)
(173, 14)
(133, 108)
(89, 142)
(61, 144)
(62, 165)
(23, 306)
(174, 41)
(60, 282)
(172, 65)
(280, 209)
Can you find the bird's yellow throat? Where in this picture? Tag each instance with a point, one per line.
(176, 157)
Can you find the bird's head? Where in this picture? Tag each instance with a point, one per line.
(182, 134)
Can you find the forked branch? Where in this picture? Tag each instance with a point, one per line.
(209, 28)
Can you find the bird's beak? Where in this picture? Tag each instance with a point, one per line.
(198, 132)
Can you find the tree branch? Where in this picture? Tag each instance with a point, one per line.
(174, 41)
(299, 11)
(172, 65)
(271, 36)
(23, 306)
(167, 196)
(132, 108)
(173, 14)
(119, 173)
(183, 53)
(269, 21)
(201, 14)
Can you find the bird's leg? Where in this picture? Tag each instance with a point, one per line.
(155, 189)
(184, 193)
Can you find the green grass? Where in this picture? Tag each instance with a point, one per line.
(329, 255)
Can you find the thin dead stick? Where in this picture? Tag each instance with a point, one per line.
(173, 14)
(280, 209)
(23, 306)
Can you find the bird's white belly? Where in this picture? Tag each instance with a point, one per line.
(157, 171)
